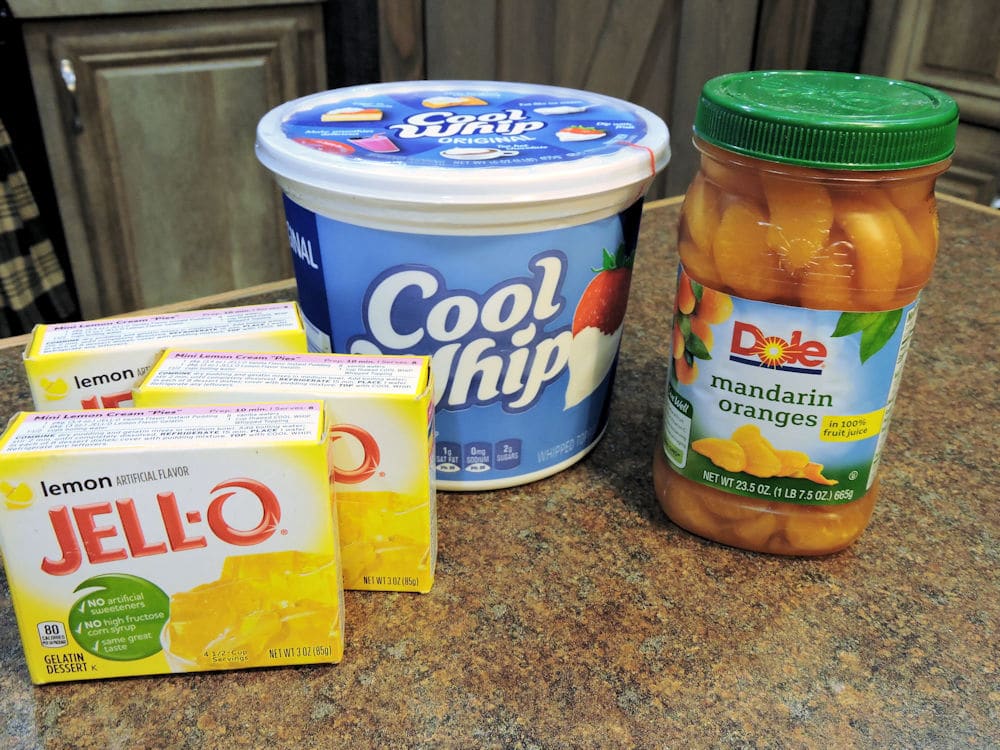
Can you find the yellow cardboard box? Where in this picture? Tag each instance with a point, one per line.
(95, 363)
(382, 431)
(148, 541)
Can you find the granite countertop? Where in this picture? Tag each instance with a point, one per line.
(572, 613)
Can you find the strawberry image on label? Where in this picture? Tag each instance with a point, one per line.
(597, 325)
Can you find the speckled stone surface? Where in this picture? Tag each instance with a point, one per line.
(572, 613)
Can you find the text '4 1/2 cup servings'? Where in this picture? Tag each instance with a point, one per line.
(805, 239)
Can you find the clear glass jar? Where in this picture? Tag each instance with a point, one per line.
(804, 241)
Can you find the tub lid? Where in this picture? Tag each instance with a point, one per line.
(462, 142)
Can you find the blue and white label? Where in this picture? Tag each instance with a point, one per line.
(307, 262)
(782, 403)
(523, 330)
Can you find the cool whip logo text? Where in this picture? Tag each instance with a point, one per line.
(750, 346)
(484, 348)
(110, 532)
(443, 124)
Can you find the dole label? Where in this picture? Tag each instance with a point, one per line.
(750, 346)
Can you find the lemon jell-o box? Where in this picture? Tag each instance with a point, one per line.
(149, 541)
(382, 432)
(93, 364)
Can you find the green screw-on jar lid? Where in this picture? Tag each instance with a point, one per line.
(829, 120)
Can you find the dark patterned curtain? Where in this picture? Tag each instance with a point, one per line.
(33, 287)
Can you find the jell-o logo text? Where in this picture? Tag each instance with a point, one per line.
(93, 528)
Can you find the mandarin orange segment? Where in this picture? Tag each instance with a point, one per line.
(701, 211)
(792, 461)
(755, 532)
(733, 179)
(878, 260)
(745, 262)
(814, 473)
(726, 454)
(762, 460)
(908, 194)
(827, 284)
(819, 530)
(918, 234)
(800, 215)
(732, 507)
(918, 250)
(684, 507)
(698, 262)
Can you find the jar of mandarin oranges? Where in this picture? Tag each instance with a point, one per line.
(805, 239)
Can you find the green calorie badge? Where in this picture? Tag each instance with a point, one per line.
(120, 617)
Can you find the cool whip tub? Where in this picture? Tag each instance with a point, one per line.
(94, 364)
(489, 225)
(148, 541)
(382, 443)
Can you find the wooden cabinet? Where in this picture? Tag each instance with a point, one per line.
(954, 46)
(149, 123)
(659, 53)
(161, 198)
(656, 53)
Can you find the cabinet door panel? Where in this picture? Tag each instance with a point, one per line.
(182, 174)
(951, 45)
(161, 195)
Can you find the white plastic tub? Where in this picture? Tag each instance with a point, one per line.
(489, 225)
